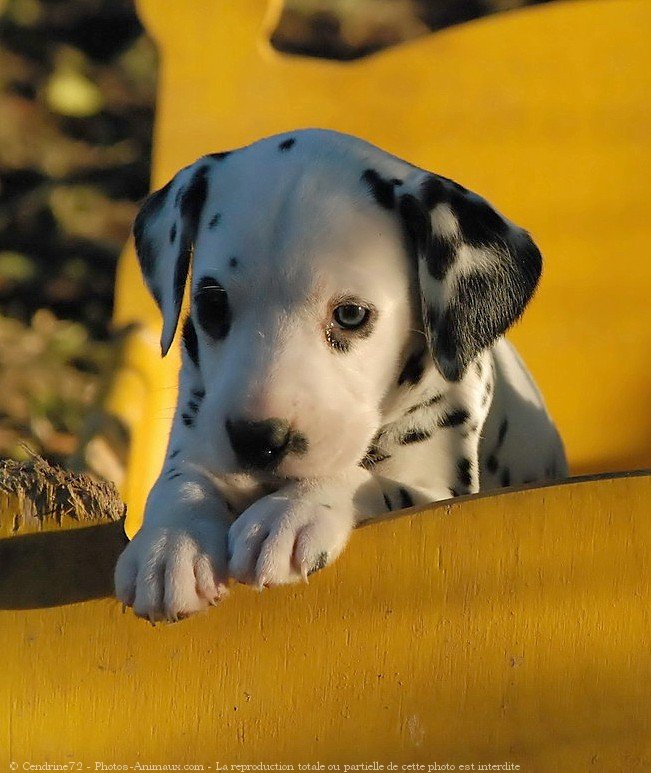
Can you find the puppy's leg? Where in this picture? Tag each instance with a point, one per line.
(291, 533)
(177, 564)
(301, 528)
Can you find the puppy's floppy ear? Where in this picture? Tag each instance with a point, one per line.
(476, 270)
(165, 230)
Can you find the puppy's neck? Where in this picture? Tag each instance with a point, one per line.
(421, 386)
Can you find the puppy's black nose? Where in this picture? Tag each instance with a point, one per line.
(259, 444)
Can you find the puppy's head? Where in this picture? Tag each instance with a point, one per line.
(318, 261)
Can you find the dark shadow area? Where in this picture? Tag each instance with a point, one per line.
(337, 29)
(56, 568)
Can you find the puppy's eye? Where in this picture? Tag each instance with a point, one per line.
(350, 316)
(213, 311)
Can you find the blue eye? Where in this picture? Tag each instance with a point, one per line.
(350, 316)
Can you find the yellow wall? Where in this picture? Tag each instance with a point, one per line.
(544, 111)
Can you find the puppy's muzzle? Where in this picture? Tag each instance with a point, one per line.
(262, 445)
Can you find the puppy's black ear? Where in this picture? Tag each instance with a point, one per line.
(165, 230)
(476, 270)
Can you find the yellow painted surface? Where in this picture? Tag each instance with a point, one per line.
(506, 628)
(545, 111)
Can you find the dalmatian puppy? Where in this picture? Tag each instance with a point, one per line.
(342, 357)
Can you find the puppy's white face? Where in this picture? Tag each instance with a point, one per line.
(317, 260)
(302, 304)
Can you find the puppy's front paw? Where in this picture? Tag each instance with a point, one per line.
(167, 573)
(279, 540)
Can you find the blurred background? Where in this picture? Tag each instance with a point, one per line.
(77, 103)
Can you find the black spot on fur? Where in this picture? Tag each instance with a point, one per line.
(188, 420)
(199, 393)
(387, 502)
(454, 492)
(454, 418)
(479, 368)
(373, 456)
(220, 156)
(174, 475)
(502, 432)
(321, 561)
(505, 478)
(190, 341)
(213, 311)
(233, 262)
(193, 197)
(172, 233)
(286, 144)
(479, 222)
(440, 257)
(425, 404)
(396, 181)
(174, 453)
(193, 406)
(492, 464)
(487, 301)
(413, 371)
(438, 251)
(437, 188)
(417, 227)
(490, 298)
(463, 471)
(381, 188)
(191, 203)
(415, 436)
(148, 212)
(405, 498)
(433, 191)
(430, 316)
(214, 220)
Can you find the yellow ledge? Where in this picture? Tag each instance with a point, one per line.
(505, 628)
